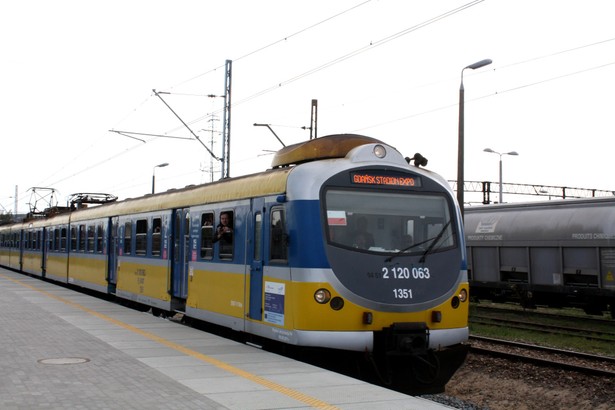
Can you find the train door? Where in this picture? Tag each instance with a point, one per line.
(255, 256)
(112, 252)
(181, 253)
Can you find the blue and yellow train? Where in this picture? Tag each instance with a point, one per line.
(342, 244)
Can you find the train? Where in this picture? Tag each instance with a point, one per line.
(343, 244)
(558, 253)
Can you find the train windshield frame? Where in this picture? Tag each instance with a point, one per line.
(388, 222)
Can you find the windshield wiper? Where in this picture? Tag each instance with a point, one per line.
(433, 241)
(399, 253)
(436, 239)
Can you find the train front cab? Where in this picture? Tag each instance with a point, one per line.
(395, 298)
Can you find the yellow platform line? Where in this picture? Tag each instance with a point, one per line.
(297, 395)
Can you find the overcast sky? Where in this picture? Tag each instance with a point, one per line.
(390, 69)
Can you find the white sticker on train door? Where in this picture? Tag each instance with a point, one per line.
(274, 303)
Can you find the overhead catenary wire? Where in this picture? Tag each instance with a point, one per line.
(500, 92)
(354, 53)
(253, 52)
(321, 67)
(281, 40)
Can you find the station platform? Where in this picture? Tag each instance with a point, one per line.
(63, 349)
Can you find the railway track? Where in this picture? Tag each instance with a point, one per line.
(513, 309)
(588, 334)
(583, 363)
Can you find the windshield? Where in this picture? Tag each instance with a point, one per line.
(388, 223)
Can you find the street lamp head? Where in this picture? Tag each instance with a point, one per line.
(480, 64)
(512, 153)
(460, 146)
(162, 165)
(489, 150)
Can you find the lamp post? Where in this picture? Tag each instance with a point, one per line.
(460, 176)
(154, 174)
(500, 154)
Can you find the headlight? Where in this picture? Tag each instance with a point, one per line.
(322, 296)
(463, 295)
(380, 151)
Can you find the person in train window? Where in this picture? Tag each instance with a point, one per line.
(224, 230)
(362, 238)
(207, 220)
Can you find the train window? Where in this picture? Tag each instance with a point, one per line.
(82, 238)
(54, 239)
(156, 236)
(63, 239)
(127, 238)
(99, 238)
(258, 234)
(207, 235)
(176, 236)
(224, 235)
(386, 222)
(141, 245)
(279, 240)
(73, 238)
(91, 232)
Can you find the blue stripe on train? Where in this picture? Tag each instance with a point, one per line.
(306, 249)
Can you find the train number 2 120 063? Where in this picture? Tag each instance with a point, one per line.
(399, 272)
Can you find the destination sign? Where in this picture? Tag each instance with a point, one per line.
(376, 178)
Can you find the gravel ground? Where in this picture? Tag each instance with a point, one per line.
(495, 384)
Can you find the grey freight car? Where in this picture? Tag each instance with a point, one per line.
(559, 253)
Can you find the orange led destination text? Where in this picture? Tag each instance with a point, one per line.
(382, 180)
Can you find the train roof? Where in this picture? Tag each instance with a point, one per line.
(557, 204)
(270, 182)
(266, 183)
(332, 146)
(570, 219)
